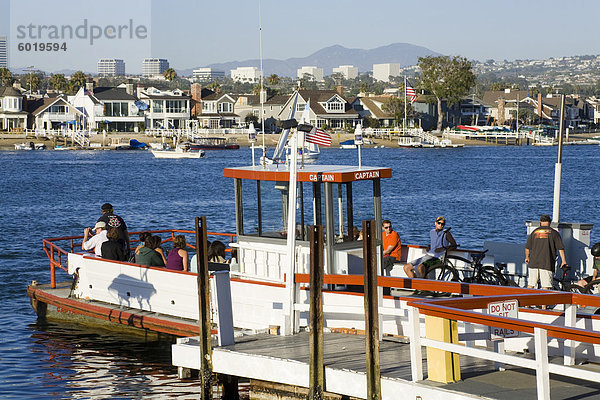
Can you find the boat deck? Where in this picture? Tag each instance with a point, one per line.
(344, 358)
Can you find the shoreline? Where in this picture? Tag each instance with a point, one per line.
(7, 141)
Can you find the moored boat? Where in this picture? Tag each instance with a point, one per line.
(182, 151)
(212, 143)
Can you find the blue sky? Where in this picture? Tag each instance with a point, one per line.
(196, 33)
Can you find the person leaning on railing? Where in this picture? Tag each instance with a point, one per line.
(441, 240)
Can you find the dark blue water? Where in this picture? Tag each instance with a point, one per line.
(486, 193)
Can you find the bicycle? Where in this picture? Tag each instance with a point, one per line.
(446, 270)
(565, 285)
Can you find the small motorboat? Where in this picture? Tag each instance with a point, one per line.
(30, 146)
(348, 144)
(178, 152)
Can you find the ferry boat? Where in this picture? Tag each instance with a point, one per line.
(212, 143)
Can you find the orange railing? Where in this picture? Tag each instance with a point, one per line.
(57, 249)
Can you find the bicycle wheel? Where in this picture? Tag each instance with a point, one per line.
(592, 287)
(465, 271)
(573, 288)
(442, 272)
(488, 275)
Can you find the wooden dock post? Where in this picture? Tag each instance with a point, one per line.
(317, 373)
(371, 310)
(204, 309)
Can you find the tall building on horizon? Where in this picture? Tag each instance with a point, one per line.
(348, 71)
(3, 52)
(111, 67)
(315, 72)
(382, 72)
(154, 66)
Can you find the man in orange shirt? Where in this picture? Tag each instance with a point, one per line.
(391, 246)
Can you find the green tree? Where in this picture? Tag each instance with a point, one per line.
(170, 74)
(215, 87)
(394, 106)
(6, 78)
(77, 80)
(251, 118)
(446, 77)
(273, 79)
(59, 82)
(31, 81)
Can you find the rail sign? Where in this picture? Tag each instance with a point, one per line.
(509, 309)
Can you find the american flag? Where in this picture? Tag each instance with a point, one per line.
(318, 136)
(410, 93)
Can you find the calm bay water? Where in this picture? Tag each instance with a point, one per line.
(486, 193)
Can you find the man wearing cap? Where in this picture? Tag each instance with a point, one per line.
(95, 241)
(440, 241)
(114, 221)
(540, 253)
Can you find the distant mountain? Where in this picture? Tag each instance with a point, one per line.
(331, 57)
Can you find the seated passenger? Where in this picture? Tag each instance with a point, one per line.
(148, 256)
(156, 245)
(177, 259)
(112, 249)
(194, 260)
(216, 252)
(143, 236)
(95, 242)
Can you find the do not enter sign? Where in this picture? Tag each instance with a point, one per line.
(509, 309)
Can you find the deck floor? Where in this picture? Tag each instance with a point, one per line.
(343, 351)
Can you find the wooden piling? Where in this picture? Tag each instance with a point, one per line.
(316, 370)
(204, 309)
(371, 310)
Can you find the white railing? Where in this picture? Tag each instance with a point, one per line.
(540, 364)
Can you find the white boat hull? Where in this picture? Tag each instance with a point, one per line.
(177, 154)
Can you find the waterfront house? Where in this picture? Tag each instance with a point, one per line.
(218, 111)
(251, 104)
(110, 108)
(169, 109)
(328, 109)
(373, 107)
(12, 113)
(53, 113)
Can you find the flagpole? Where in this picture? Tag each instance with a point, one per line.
(404, 127)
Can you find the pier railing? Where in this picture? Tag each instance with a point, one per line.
(57, 249)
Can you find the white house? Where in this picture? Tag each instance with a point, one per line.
(12, 114)
(54, 113)
(165, 109)
(218, 111)
(328, 108)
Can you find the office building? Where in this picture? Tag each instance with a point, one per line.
(347, 71)
(382, 72)
(111, 67)
(3, 52)
(245, 74)
(207, 74)
(154, 66)
(314, 72)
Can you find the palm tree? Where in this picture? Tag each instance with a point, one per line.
(78, 80)
(273, 79)
(170, 74)
(6, 78)
(58, 82)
